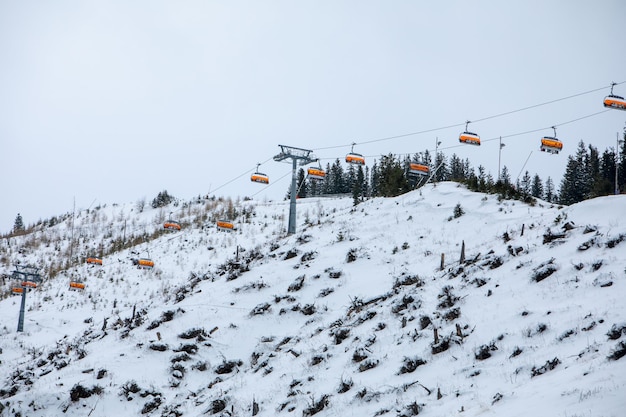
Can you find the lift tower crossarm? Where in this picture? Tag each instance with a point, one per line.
(295, 154)
(28, 276)
(286, 152)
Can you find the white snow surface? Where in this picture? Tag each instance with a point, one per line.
(337, 319)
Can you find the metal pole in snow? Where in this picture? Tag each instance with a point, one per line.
(295, 154)
(292, 207)
(20, 323)
(616, 161)
(499, 157)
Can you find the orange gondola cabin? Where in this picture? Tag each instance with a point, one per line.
(29, 284)
(614, 101)
(418, 169)
(143, 263)
(468, 137)
(76, 285)
(551, 144)
(225, 225)
(17, 290)
(316, 173)
(355, 158)
(92, 260)
(259, 176)
(171, 225)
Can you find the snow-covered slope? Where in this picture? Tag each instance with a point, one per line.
(351, 316)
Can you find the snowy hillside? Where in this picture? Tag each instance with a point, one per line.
(351, 316)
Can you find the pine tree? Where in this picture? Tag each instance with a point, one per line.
(594, 175)
(443, 172)
(575, 183)
(375, 181)
(336, 185)
(367, 189)
(427, 159)
(505, 178)
(621, 173)
(457, 171)
(549, 193)
(349, 179)
(537, 187)
(18, 226)
(358, 186)
(525, 186)
(162, 199)
(392, 180)
(482, 179)
(326, 185)
(606, 184)
(302, 190)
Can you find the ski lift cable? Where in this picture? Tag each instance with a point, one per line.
(241, 175)
(457, 125)
(512, 134)
(473, 121)
(542, 104)
(452, 126)
(273, 182)
(550, 127)
(411, 153)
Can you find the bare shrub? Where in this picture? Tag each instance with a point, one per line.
(619, 351)
(297, 284)
(544, 270)
(410, 364)
(78, 391)
(316, 406)
(548, 366)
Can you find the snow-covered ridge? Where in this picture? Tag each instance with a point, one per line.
(351, 316)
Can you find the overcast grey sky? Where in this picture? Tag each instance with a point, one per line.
(111, 101)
